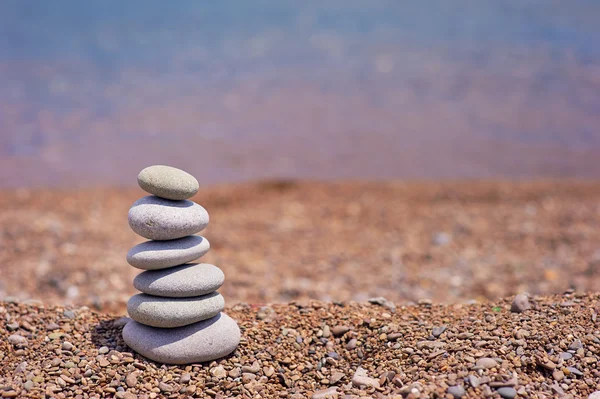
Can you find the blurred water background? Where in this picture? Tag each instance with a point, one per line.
(93, 91)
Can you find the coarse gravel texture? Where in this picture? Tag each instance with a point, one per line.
(279, 241)
(314, 348)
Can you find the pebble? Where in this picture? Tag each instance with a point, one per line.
(17, 340)
(180, 281)
(440, 239)
(162, 219)
(12, 326)
(507, 392)
(594, 395)
(168, 182)
(266, 313)
(219, 372)
(566, 355)
(575, 345)
(456, 391)
(28, 385)
(131, 380)
(486, 363)
(185, 378)
(269, 371)
(164, 387)
(69, 314)
(575, 371)
(52, 326)
(520, 303)
(103, 362)
(474, 381)
(351, 344)
(437, 331)
(248, 377)
(383, 302)
(255, 368)
(154, 255)
(336, 377)
(200, 342)
(173, 312)
(558, 375)
(338, 331)
(67, 346)
(21, 368)
(361, 378)
(328, 393)
(103, 350)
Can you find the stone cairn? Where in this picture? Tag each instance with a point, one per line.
(177, 318)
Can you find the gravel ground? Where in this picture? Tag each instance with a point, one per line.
(280, 241)
(312, 348)
(374, 289)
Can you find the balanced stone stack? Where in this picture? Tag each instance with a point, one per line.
(177, 318)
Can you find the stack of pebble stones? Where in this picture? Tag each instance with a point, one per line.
(177, 318)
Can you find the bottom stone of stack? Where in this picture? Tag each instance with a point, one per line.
(195, 343)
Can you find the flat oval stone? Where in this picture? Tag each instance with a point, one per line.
(180, 281)
(153, 255)
(157, 218)
(168, 182)
(200, 342)
(173, 312)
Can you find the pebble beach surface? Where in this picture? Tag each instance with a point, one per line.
(319, 350)
(281, 241)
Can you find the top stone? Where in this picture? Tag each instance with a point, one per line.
(168, 182)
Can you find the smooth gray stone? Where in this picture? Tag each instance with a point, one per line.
(180, 281)
(154, 255)
(162, 312)
(200, 342)
(157, 218)
(168, 182)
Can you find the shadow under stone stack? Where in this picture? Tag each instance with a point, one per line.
(177, 318)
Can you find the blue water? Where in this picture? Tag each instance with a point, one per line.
(516, 71)
(140, 31)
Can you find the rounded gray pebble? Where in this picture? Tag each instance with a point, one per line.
(566, 355)
(200, 342)
(486, 363)
(16, 339)
(28, 385)
(507, 392)
(456, 391)
(162, 219)
(168, 182)
(173, 312)
(520, 304)
(154, 255)
(180, 281)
